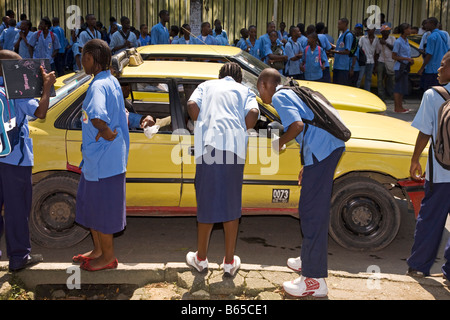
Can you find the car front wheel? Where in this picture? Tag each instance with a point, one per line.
(364, 215)
(52, 220)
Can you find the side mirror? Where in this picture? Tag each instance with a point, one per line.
(275, 128)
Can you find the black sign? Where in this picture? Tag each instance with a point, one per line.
(23, 78)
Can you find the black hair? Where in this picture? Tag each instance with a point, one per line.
(344, 20)
(175, 29)
(320, 26)
(301, 26)
(231, 69)
(47, 22)
(163, 12)
(23, 16)
(100, 52)
(434, 21)
(403, 27)
(123, 19)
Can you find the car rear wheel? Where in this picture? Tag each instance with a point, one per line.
(364, 215)
(52, 220)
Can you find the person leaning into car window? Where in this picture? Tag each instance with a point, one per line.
(135, 120)
(100, 203)
(15, 174)
(223, 111)
(321, 152)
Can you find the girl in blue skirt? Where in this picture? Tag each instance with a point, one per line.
(101, 191)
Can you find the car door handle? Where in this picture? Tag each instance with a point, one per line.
(191, 150)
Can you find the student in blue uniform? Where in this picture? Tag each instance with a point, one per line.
(205, 36)
(123, 39)
(321, 152)
(22, 40)
(8, 35)
(314, 59)
(15, 174)
(436, 204)
(144, 37)
(159, 32)
(101, 192)
(223, 111)
(90, 32)
(185, 35)
(341, 54)
(45, 43)
(59, 58)
(252, 45)
(294, 52)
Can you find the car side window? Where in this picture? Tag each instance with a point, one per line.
(150, 98)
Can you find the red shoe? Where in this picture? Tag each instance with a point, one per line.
(81, 258)
(87, 266)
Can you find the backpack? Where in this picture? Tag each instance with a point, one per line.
(362, 58)
(277, 50)
(320, 53)
(326, 116)
(10, 130)
(441, 147)
(355, 41)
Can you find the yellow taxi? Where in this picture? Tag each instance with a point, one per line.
(339, 96)
(371, 177)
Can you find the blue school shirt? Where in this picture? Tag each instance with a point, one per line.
(268, 50)
(313, 61)
(44, 47)
(342, 61)
(209, 39)
(87, 35)
(356, 67)
(255, 50)
(402, 49)
(23, 48)
(59, 32)
(223, 34)
(291, 49)
(317, 143)
(145, 41)
(118, 40)
(437, 46)
(182, 40)
(223, 105)
(265, 45)
(326, 45)
(221, 40)
(23, 108)
(426, 121)
(7, 38)
(283, 36)
(104, 100)
(160, 34)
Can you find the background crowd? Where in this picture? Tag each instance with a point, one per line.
(301, 52)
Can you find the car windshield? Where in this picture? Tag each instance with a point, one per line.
(249, 62)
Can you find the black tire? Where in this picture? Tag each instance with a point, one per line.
(52, 219)
(364, 215)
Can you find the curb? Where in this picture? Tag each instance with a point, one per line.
(141, 274)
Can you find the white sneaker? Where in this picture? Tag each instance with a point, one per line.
(302, 287)
(230, 269)
(192, 260)
(295, 264)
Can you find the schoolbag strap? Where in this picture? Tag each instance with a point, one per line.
(443, 92)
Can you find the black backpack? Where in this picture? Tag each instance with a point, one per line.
(354, 43)
(326, 116)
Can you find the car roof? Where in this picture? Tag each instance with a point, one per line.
(193, 49)
(173, 69)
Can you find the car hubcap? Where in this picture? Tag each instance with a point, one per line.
(361, 216)
(58, 212)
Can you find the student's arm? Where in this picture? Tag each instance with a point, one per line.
(193, 110)
(49, 80)
(251, 118)
(104, 131)
(415, 168)
(295, 128)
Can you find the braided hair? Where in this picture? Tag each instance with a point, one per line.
(231, 69)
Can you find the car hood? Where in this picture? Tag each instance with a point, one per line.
(378, 127)
(347, 98)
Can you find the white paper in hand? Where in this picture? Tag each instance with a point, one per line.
(276, 138)
(151, 131)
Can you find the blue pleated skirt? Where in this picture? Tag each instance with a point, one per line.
(101, 204)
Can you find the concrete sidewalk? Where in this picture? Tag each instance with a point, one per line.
(176, 281)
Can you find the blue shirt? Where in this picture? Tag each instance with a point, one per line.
(7, 38)
(221, 40)
(313, 61)
(437, 47)
(44, 47)
(283, 36)
(223, 105)
(268, 50)
(265, 45)
(402, 49)
(23, 108)
(118, 40)
(104, 100)
(23, 48)
(255, 50)
(223, 34)
(426, 121)
(317, 142)
(292, 48)
(160, 34)
(209, 39)
(87, 35)
(326, 45)
(59, 32)
(342, 61)
(182, 40)
(145, 41)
